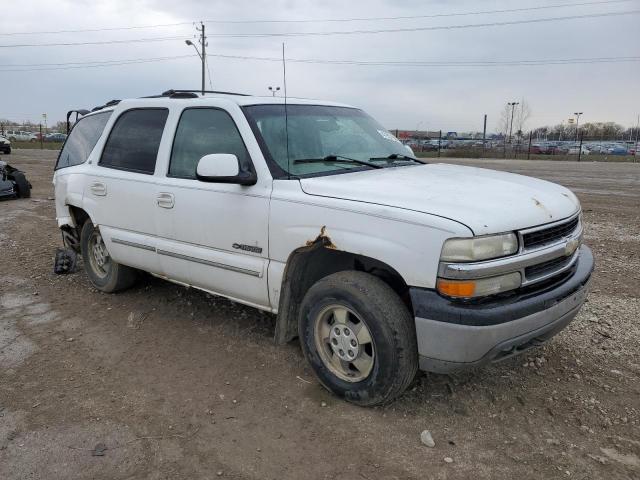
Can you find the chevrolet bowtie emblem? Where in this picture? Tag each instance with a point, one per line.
(571, 246)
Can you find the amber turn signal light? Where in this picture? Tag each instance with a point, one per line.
(452, 288)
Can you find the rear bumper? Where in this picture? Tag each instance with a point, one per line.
(453, 336)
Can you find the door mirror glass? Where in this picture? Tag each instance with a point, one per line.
(217, 166)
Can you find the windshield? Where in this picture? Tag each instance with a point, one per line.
(318, 132)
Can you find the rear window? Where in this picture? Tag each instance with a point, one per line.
(82, 140)
(134, 140)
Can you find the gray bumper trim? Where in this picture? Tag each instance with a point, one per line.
(445, 347)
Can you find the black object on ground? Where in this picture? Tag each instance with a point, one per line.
(65, 261)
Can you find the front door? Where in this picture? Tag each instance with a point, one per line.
(212, 235)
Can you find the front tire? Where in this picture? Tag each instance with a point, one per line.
(359, 338)
(104, 273)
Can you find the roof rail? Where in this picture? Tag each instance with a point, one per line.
(110, 103)
(172, 91)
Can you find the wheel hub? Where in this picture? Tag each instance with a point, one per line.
(100, 253)
(344, 343)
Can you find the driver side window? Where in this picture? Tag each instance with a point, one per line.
(200, 132)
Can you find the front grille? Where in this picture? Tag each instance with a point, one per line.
(544, 268)
(549, 235)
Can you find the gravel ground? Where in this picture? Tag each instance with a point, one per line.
(164, 382)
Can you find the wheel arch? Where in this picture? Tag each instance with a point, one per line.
(72, 227)
(306, 265)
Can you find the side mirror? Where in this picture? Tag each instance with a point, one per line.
(223, 168)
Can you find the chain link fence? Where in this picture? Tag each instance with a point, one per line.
(583, 148)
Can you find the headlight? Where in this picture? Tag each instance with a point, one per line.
(480, 287)
(479, 248)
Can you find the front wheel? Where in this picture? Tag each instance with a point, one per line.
(104, 273)
(359, 338)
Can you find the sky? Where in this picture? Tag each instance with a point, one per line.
(451, 98)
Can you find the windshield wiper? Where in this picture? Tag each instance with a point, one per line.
(396, 156)
(337, 158)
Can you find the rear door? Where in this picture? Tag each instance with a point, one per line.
(122, 187)
(213, 235)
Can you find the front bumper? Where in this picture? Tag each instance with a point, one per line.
(454, 336)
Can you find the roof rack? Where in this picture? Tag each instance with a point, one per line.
(173, 93)
(110, 103)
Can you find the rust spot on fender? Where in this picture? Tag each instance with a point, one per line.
(322, 239)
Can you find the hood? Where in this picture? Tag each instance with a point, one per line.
(486, 201)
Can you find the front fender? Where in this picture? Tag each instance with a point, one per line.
(408, 241)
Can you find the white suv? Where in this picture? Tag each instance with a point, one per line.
(380, 264)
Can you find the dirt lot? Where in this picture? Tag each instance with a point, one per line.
(175, 383)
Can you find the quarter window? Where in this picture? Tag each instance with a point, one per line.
(82, 140)
(200, 132)
(134, 140)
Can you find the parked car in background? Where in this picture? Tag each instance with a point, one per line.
(428, 145)
(5, 145)
(55, 137)
(537, 149)
(21, 136)
(576, 148)
(618, 150)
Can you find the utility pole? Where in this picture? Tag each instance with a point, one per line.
(484, 133)
(577, 114)
(637, 132)
(203, 45)
(513, 106)
(202, 53)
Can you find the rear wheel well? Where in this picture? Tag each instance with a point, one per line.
(307, 265)
(71, 235)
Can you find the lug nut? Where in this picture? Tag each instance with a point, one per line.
(350, 353)
(346, 331)
(334, 341)
(353, 343)
(337, 330)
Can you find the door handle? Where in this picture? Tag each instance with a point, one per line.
(99, 189)
(165, 200)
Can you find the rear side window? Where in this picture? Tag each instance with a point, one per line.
(202, 131)
(82, 139)
(134, 140)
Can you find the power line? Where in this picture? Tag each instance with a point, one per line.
(146, 59)
(344, 32)
(391, 63)
(79, 65)
(102, 42)
(415, 17)
(461, 63)
(424, 29)
(326, 20)
(107, 29)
